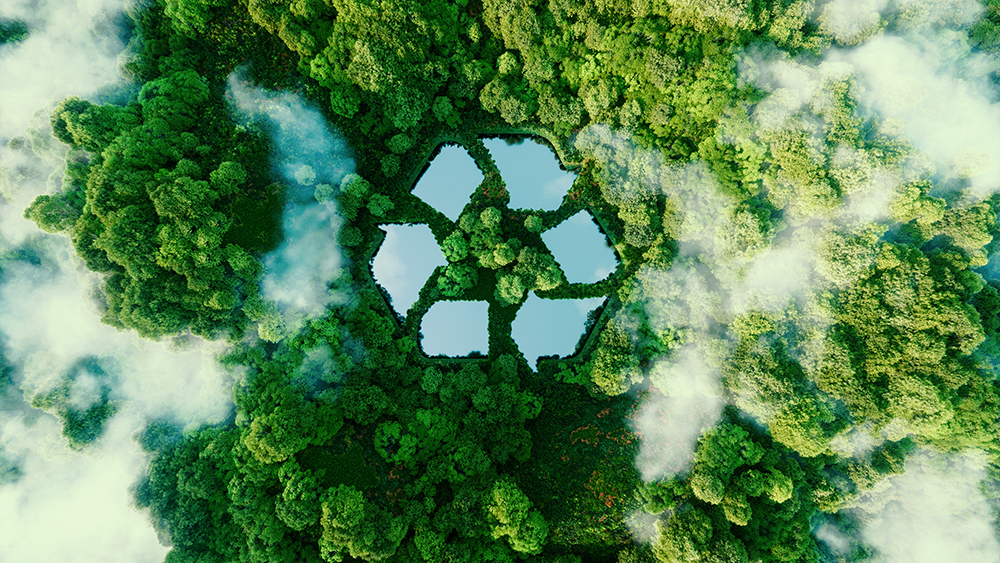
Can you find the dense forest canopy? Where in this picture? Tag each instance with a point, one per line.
(800, 333)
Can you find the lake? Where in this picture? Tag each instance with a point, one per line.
(534, 180)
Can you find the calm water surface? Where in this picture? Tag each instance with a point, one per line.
(409, 254)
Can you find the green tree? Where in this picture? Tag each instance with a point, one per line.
(456, 279)
(352, 525)
(299, 505)
(53, 214)
(12, 31)
(512, 514)
(156, 208)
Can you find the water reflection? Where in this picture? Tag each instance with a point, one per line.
(455, 328)
(544, 327)
(449, 181)
(531, 171)
(581, 249)
(407, 257)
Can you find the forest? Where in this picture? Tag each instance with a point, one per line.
(804, 313)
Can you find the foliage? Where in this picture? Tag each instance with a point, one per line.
(348, 443)
(12, 31)
(82, 402)
(747, 499)
(155, 213)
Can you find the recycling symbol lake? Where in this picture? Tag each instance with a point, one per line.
(505, 244)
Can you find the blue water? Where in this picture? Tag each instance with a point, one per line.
(581, 249)
(449, 181)
(531, 171)
(550, 326)
(407, 257)
(455, 328)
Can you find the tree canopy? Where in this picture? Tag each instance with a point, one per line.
(784, 258)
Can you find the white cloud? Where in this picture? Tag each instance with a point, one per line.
(303, 138)
(72, 49)
(857, 443)
(924, 83)
(945, 115)
(832, 537)
(934, 513)
(681, 297)
(643, 526)
(84, 391)
(74, 506)
(776, 277)
(670, 422)
(49, 323)
(298, 273)
(70, 506)
(791, 84)
(849, 21)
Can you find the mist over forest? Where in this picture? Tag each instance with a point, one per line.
(795, 356)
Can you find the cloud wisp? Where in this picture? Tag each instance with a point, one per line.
(912, 66)
(944, 114)
(310, 157)
(731, 261)
(49, 323)
(683, 299)
(72, 48)
(72, 506)
(934, 513)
